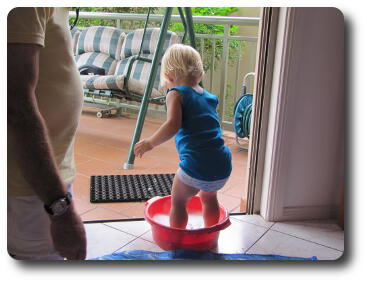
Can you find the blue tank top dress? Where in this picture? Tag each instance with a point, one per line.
(199, 141)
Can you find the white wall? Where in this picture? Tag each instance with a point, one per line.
(307, 174)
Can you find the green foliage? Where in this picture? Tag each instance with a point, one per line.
(103, 22)
(208, 29)
(206, 45)
(214, 11)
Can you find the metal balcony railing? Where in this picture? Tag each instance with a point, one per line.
(227, 57)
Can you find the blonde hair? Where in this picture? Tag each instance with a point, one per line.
(181, 61)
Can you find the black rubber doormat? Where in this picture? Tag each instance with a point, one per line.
(122, 188)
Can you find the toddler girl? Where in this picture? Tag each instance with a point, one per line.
(205, 162)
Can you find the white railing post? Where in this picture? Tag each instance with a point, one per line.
(212, 66)
(224, 68)
(238, 79)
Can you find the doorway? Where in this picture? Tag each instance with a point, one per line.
(101, 144)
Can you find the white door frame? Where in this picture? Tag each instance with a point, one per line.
(268, 30)
(272, 196)
(265, 191)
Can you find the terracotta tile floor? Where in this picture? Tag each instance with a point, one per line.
(101, 148)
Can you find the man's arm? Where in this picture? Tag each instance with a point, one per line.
(34, 154)
(27, 126)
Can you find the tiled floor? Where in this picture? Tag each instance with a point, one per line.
(247, 234)
(101, 148)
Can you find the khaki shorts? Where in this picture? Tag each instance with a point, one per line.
(29, 229)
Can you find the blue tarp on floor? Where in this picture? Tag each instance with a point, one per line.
(192, 255)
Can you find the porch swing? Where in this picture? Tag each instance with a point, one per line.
(111, 89)
(131, 69)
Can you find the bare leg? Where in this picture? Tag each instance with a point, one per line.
(181, 194)
(210, 207)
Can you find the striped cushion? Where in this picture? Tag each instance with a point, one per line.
(102, 82)
(97, 59)
(107, 40)
(132, 42)
(114, 83)
(131, 46)
(140, 70)
(75, 32)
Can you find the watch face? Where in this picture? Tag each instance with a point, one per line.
(59, 207)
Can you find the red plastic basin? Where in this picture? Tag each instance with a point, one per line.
(169, 238)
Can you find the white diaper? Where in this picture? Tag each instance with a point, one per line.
(206, 186)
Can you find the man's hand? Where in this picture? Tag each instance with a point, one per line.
(68, 235)
(142, 147)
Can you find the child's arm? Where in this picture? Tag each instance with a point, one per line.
(169, 127)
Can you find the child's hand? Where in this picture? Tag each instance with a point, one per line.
(142, 147)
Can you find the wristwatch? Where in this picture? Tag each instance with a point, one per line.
(59, 206)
